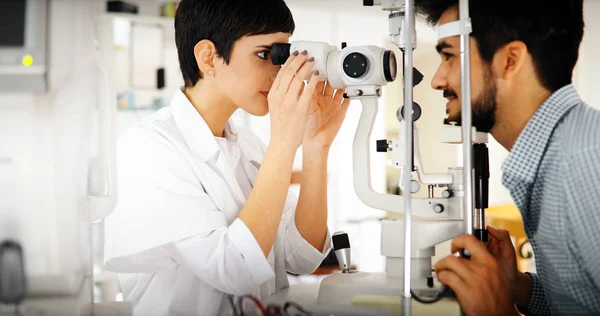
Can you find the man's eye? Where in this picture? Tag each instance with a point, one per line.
(263, 54)
(446, 56)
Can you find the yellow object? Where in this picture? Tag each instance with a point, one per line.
(507, 216)
(27, 60)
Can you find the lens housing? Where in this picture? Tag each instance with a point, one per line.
(390, 67)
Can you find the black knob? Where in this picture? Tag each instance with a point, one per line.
(465, 253)
(13, 285)
(345, 95)
(340, 241)
(368, 3)
(430, 281)
(416, 112)
(344, 45)
(382, 146)
(341, 247)
(355, 65)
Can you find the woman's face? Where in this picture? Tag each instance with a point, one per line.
(248, 77)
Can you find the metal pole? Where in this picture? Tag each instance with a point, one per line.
(465, 54)
(408, 109)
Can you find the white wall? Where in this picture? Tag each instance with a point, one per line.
(587, 75)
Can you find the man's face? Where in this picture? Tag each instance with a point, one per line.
(448, 79)
(250, 73)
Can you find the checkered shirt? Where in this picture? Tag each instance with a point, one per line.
(553, 174)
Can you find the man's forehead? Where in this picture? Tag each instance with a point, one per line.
(448, 16)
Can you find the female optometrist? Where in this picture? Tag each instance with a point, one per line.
(203, 206)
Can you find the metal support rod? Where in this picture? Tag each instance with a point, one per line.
(408, 109)
(465, 54)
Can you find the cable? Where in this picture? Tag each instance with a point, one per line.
(289, 304)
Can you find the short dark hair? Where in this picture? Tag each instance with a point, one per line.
(551, 29)
(224, 22)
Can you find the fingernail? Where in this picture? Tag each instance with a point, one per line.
(316, 73)
(311, 59)
(295, 53)
(304, 52)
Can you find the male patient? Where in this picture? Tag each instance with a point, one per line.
(522, 57)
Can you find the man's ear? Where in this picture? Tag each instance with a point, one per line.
(205, 53)
(510, 59)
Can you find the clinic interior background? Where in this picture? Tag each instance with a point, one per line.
(334, 21)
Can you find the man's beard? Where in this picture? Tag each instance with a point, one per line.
(483, 114)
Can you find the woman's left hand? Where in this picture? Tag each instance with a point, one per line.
(325, 116)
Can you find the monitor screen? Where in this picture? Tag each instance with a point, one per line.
(12, 23)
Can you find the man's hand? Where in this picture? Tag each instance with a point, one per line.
(480, 285)
(501, 247)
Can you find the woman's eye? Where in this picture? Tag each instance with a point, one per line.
(263, 54)
(446, 56)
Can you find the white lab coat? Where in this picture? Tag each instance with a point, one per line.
(175, 238)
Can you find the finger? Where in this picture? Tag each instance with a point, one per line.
(309, 91)
(339, 96)
(499, 234)
(301, 90)
(293, 71)
(345, 106)
(290, 59)
(320, 87)
(298, 81)
(340, 114)
(455, 283)
(328, 90)
(477, 248)
(456, 265)
(492, 243)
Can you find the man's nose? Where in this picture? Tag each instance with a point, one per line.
(439, 81)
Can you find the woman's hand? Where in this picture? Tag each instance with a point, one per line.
(289, 101)
(325, 117)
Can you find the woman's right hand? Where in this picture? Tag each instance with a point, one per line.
(289, 100)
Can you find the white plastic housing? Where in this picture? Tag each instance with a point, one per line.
(329, 61)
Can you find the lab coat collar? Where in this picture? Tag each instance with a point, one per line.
(194, 128)
(202, 142)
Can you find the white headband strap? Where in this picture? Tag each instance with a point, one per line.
(451, 29)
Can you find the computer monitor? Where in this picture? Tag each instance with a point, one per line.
(23, 37)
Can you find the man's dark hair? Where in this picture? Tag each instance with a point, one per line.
(551, 29)
(224, 22)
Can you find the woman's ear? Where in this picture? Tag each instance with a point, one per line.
(205, 52)
(510, 59)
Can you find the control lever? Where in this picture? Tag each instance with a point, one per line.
(341, 246)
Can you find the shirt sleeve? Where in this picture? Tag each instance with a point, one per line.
(537, 304)
(229, 259)
(300, 256)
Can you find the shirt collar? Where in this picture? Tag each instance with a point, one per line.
(194, 128)
(528, 151)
